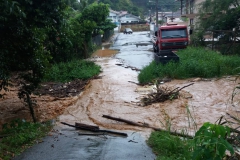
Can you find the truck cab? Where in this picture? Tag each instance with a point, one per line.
(171, 37)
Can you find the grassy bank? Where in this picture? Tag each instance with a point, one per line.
(20, 135)
(76, 69)
(210, 142)
(168, 147)
(194, 62)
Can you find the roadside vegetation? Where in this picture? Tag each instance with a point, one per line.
(194, 62)
(44, 41)
(210, 142)
(168, 147)
(19, 135)
(75, 69)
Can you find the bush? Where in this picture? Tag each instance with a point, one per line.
(19, 136)
(76, 69)
(194, 62)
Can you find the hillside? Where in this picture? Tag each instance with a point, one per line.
(141, 7)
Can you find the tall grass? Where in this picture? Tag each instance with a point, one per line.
(20, 135)
(76, 69)
(194, 62)
(168, 147)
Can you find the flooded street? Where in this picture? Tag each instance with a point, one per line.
(117, 94)
(114, 94)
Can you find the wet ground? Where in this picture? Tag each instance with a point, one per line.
(116, 95)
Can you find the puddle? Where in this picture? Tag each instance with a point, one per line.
(105, 53)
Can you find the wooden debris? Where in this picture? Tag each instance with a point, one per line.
(91, 127)
(162, 94)
(134, 82)
(91, 134)
(95, 130)
(233, 117)
(145, 125)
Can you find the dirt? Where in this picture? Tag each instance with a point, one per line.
(116, 93)
(50, 100)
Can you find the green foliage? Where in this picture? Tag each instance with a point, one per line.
(168, 147)
(95, 12)
(76, 69)
(124, 5)
(210, 142)
(35, 34)
(19, 136)
(164, 5)
(224, 14)
(194, 62)
(219, 17)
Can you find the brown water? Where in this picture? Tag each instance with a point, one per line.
(104, 53)
(114, 95)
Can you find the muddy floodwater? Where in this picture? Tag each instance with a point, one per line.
(115, 94)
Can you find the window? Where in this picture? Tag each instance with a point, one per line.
(174, 33)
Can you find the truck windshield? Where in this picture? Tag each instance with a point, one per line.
(174, 33)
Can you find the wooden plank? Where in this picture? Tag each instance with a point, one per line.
(95, 130)
(86, 126)
(147, 126)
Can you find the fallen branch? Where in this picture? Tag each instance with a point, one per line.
(233, 117)
(145, 125)
(134, 82)
(87, 126)
(91, 134)
(95, 130)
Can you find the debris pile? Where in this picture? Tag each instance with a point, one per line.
(162, 94)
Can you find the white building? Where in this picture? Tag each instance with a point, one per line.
(122, 17)
(129, 18)
(114, 16)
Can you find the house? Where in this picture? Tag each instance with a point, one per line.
(129, 18)
(119, 17)
(114, 16)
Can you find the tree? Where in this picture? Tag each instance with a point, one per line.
(219, 15)
(36, 33)
(27, 30)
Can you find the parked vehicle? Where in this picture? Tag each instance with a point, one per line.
(127, 31)
(171, 37)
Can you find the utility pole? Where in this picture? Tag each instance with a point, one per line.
(157, 14)
(181, 6)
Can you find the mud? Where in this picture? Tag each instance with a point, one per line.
(105, 53)
(114, 94)
(206, 100)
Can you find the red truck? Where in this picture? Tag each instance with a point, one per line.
(171, 37)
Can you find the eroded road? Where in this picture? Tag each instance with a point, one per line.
(115, 95)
